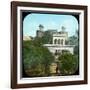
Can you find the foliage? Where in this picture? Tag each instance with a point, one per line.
(47, 38)
(37, 41)
(37, 59)
(74, 40)
(76, 50)
(68, 63)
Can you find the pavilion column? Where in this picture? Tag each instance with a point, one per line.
(53, 41)
(60, 41)
(63, 41)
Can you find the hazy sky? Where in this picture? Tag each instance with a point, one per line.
(49, 21)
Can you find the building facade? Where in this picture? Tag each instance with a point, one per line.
(59, 40)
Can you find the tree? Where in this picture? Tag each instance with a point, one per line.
(76, 49)
(37, 41)
(47, 60)
(37, 59)
(31, 59)
(74, 40)
(68, 63)
(47, 38)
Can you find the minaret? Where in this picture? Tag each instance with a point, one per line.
(41, 27)
(40, 32)
(64, 34)
(63, 29)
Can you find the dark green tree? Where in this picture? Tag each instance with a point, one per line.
(68, 63)
(74, 40)
(37, 41)
(47, 38)
(47, 60)
(31, 59)
(36, 59)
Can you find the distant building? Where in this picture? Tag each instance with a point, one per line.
(40, 32)
(52, 31)
(26, 38)
(58, 42)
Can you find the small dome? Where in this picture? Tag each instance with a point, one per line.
(41, 26)
(63, 28)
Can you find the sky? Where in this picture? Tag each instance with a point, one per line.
(50, 21)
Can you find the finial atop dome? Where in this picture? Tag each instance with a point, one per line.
(63, 28)
(41, 27)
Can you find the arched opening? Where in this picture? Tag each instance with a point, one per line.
(58, 41)
(56, 52)
(55, 41)
(62, 42)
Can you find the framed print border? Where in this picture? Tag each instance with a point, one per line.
(17, 6)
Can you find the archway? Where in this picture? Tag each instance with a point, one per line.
(55, 41)
(58, 41)
(62, 42)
